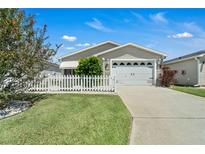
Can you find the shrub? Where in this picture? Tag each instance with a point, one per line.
(2, 103)
(89, 66)
(167, 77)
(6, 97)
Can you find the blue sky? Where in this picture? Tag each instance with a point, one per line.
(173, 31)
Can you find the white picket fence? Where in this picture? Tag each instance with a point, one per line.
(73, 83)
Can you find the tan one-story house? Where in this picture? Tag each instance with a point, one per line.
(130, 63)
(190, 69)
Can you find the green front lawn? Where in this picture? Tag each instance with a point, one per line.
(190, 90)
(69, 119)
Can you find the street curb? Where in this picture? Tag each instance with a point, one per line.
(130, 138)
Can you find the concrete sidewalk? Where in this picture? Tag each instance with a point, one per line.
(164, 116)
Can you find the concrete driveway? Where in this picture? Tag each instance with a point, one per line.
(164, 116)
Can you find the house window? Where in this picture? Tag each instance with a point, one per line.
(128, 63)
(149, 64)
(142, 64)
(122, 64)
(114, 64)
(135, 63)
(68, 71)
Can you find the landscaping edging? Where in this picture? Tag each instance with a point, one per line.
(14, 107)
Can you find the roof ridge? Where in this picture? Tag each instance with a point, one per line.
(90, 47)
(193, 54)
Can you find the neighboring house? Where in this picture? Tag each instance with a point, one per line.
(130, 63)
(51, 69)
(190, 69)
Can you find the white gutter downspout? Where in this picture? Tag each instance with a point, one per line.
(155, 72)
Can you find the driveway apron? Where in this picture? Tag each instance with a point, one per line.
(164, 116)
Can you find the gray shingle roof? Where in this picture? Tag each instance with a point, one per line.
(187, 56)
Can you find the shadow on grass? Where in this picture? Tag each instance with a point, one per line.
(30, 97)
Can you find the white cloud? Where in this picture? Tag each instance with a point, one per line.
(159, 18)
(192, 26)
(139, 16)
(69, 38)
(70, 48)
(98, 25)
(181, 35)
(83, 44)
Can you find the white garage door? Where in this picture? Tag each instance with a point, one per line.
(133, 75)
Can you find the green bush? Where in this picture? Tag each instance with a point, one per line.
(4, 98)
(89, 66)
(2, 103)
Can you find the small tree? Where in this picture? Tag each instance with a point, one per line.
(23, 51)
(167, 76)
(89, 66)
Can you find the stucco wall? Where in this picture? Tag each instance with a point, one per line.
(202, 72)
(191, 72)
(89, 52)
(130, 51)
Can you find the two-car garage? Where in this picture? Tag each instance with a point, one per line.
(133, 72)
(132, 64)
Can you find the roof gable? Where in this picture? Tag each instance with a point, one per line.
(89, 48)
(133, 45)
(126, 56)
